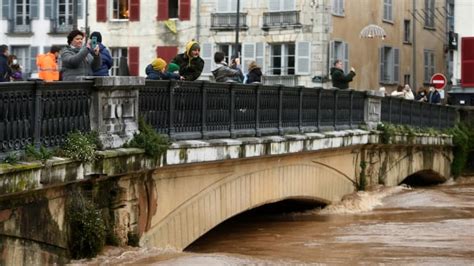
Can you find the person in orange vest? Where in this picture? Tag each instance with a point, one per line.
(47, 64)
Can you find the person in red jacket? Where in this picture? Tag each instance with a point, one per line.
(47, 65)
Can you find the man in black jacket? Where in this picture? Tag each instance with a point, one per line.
(5, 71)
(189, 62)
(339, 79)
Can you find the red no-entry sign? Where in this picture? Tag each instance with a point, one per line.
(439, 81)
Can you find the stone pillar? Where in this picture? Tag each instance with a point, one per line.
(373, 109)
(114, 109)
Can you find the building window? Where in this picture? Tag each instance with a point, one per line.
(22, 13)
(120, 9)
(229, 6)
(407, 31)
(339, 50)
(389, 65)
(173, 8)
(429, 13)
(64, 13)
(118, 53)
(338, 7)
(282, 60)
(228, 50)
(387, 10)
(450, 14)
(429, 65)
(279, 5)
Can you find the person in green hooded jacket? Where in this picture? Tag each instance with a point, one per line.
(190, 63)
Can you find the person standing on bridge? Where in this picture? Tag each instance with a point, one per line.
(48, 65)
(5, 71)
(339, 79)
(78, 59)
(190, 63)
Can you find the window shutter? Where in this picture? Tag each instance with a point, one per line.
(303, 58)
(260, 55)
(33, 54)
(101, 10)
(289, 5)
(80, 11)
(167, 52)
(7, 7)
(331, 56)
(48, 9)
(134, 10)
(207, 56)
(467, 62)
(382, 67)
(396, 66)
(346, 57)
(162, 10)
(248, 55)
(274, 5)
(34, 9)
(185, 9)
(134, 60)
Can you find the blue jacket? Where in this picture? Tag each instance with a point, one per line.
(107, 61)
(434, 97)
(157, 75)
(5, 71)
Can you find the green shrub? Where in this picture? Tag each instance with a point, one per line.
(463, 140)
(11, 158)
(79, 146)
(41, 154)
(87, 230)
(153, 143)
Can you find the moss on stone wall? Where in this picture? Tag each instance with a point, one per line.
(463, 140)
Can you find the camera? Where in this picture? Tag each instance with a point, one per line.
(93, 42)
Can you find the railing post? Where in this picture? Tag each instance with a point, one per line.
(336, 95)
(318, 124)
(232, 111)
(439, 116)
(171, 127)
(37, 116)
(257, 111)
(351, 100)
(373, 108)
(400, 112)
(114, 109)
(204, 111)
(300, 110)
(280, 110)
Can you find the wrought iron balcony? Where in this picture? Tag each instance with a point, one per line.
(288, 80)
(59, 28)
(14, 28)
(282, 19)
(227, 21)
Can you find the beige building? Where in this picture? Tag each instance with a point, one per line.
(388, 62)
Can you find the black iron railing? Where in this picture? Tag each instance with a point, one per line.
(42, 113)
(418, 114)
(227, 21)
(281, 19)
(195, 110)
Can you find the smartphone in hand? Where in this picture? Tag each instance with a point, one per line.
(93, 42)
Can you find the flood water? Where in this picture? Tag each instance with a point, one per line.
(398, 225)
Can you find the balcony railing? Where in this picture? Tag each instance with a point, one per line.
(289, 80)
(14, 28)
(59, 28)
(282, 19)
(228, 21)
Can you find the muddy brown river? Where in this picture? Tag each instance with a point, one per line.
(394, 226)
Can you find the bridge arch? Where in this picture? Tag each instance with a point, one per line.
(425, 164)
(238, 193)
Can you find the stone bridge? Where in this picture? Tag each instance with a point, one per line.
(197, 185)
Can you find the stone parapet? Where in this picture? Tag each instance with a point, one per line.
(36, 175)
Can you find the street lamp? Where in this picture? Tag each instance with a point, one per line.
(237, 29)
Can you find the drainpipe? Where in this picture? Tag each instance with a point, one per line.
(237, 29)
(414, 86)
(74, 15)
(198, 20)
